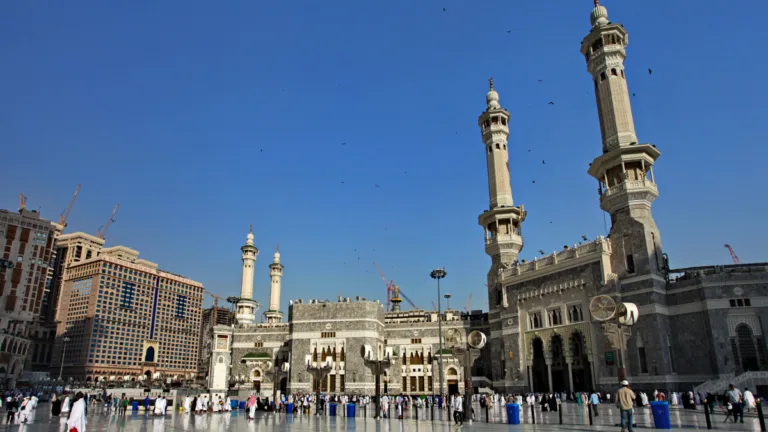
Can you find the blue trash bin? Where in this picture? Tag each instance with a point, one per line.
(660, 412)
(242, 405)
(513, 413)
(289, 408)
(350, 410)
(332, 410)
(233, 404)
(135, 405)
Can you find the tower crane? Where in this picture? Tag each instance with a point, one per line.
(735, 258)
(22, 201)
(390, 287)
(215, 305)
(65, 214)
(433, 305)
(103, 234)
(469, 300)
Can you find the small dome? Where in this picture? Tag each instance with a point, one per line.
(599, 16)
(249, 237)
(492, 99)
(277, 256)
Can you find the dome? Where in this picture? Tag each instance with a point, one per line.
(249, 237)
(492, 99)
(277, 254)
(599, 15)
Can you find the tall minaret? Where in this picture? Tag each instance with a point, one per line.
(624, 171)
(246, 306)
(502, 220)
(276, 277)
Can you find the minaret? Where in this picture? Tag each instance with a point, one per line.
(276, 277)
(624, 171)
(396, 300)
(246, 306)
(502, 220)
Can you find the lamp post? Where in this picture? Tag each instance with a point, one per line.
(278, 370)
(63, 353)
(319, 373)
(439, 274)
(377, 366)
(448, 301)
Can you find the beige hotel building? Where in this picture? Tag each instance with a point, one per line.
(121, 317)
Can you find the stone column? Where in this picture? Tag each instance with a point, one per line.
(530, 378)
(549, 372)
(569, 362)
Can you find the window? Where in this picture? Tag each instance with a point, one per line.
(602, 76)
(416, 341)
(535, 320)
(429, 383)
(181, 306)
(326, 335)
(342, 384)
(555, 317)
(126, 296)
(575, 314)
(740, 302)
(630, 263)
(643, 360)
(258, 345)
(421, 383)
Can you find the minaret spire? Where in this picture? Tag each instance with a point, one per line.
(624, 170)
(502, 221)
(273, 314)
(246, 306)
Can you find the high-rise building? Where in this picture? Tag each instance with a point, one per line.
(122, 316)
(67, 249)
(27, 242)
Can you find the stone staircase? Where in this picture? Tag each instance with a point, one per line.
(746, 379)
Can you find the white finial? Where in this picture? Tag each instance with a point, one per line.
(492, 98)
(599, 15)
(249, 238)
(277, 254)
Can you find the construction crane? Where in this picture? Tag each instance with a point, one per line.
(735, 258)
(433, 305)
(215, 306)
(390, 287)
(22, 201)
(65, 214)
(469, 300)
(103, 234)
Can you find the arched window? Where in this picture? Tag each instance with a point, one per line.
(602, 76)
(149, 356)
(498, 147)
(614, 73)
(746, 348)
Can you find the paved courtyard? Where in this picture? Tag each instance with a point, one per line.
(575, 418)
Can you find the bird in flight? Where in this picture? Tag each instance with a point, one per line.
(543, 163)
(551, 103)
(650, 71)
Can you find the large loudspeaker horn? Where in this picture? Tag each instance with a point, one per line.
(366, 352)
(627, 314)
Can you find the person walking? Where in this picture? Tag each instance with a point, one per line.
(735, 399)
(77, 420)
(594, 400)
(625, 401)
(458, 409)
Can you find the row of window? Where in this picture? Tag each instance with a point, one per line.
(555, 318)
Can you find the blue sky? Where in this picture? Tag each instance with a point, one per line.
(202, 117)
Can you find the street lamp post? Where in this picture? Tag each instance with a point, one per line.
(63, 353)
(377, 366)
(448, 301)
(319, 373)
(439, 274)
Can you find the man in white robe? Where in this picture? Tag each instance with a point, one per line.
(749, 399)
(228, 404)
(187, 404)
(65, 405)
(77, 418)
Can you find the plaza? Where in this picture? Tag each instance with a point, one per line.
(575, 418)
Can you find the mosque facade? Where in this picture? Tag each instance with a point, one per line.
(694, 325)
(278, 357)
(700, 327)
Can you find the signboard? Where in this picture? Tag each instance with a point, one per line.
(609, 358)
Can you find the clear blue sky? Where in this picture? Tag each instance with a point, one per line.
(203, 117)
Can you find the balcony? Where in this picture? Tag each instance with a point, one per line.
(508, 242)
(624, 193)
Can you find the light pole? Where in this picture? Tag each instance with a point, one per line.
(448, 301)
(63, 353)
(439, 274)
(377, 365)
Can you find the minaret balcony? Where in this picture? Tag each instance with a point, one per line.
(494, 245)
(628, 192)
